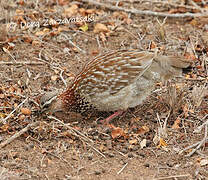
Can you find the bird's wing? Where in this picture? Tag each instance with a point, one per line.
(113, 71)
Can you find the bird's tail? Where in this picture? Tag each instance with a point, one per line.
(173, 66)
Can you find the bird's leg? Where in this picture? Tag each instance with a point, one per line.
(111, 117)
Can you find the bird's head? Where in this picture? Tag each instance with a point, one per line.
(50, 103)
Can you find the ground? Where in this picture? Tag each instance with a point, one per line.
(46, 57)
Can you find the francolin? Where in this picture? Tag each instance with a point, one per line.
(118, 80)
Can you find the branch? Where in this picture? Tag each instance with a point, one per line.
(18, 134)
(149, 13)
(20, 63)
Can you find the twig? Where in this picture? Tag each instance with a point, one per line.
(20, 63)
(70, 41)
(59, 158)
(75, 131)
(96, 150)
(192, 79)
(159, 2)
(78, 134)
(163, 128)
(198, 144)
(122, 168)
(149, 13)
(7, 51)
(5, 119)
(18, 134)
(198, 129)
(196, 6)
(98, 41)
(175, 176)
(61, 76)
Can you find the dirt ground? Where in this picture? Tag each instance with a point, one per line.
(138, 146)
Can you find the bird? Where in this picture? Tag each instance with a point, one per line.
(117, 80)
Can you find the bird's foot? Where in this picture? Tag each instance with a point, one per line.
(111, 117)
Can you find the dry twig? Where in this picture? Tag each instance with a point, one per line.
(78, 134)
(5, 119)
(20, 63)
(164, 3)
(149, 13)
(73, 130)
(122, 168)
(199, 143)
(18, 134)
(175, 176)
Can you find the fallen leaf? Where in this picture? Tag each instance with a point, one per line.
(40, 33)
(84, 28)
(176, 124)
(102, 148)
(2, 96)
(26, 111)
(54, 77)
(72, 10)
(100, 28)
(153, 45)
(162, 143)
(133, 141)
(21, 117)
(36, 43)
(117, 132)
(143, 130)
(4, 128)
(103, 37)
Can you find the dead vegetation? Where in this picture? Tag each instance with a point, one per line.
(43, 44)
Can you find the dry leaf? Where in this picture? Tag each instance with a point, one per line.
(63, 2)
(102, 148)
(90, 11)
(103, 37)
(156, 139)
(21, 117)
(84, 28)
(185, 110)
(120, 14)
(27, 39)
(2, 96)
(40, 33)
(54, 77)
(100, 28)
(143, 130)
(4, 128)
(19, 11)
(133, 141)
(36, 43)
(117, 132)
(176, 124)
(95, 52)
(72, 10)
(25, 111)
(153, 45)
(162, 143)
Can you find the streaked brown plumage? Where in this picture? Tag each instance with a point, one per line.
(118, 80)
